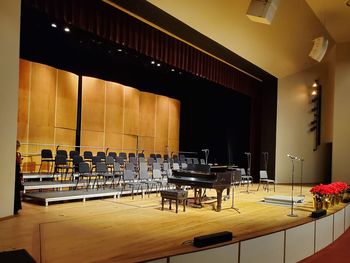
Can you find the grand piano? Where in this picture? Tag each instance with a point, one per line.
(201, 176)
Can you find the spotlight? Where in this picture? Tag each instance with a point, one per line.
(53, 25)
(153, 62)
(119, 50)
(158, 64)
(66, 29)
(172, 70)
(314, 85)
(314, 93)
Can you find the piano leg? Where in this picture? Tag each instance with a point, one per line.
(219, 197)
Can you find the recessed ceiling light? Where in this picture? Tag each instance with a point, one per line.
(158, 64)
(172, 70)
(153, 62)
(53, 25)
(119, 50)
(66, 29)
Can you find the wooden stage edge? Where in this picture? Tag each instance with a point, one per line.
(134, 230)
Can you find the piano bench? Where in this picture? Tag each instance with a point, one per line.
(175, 194)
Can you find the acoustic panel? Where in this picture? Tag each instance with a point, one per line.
(23, 100)
(147, 114)
(162, 117)
(146, 144)
(114, 141)
(92, 138)
(131, 110)
(114, 107)
(67, 97)
(93, 104)
(129, 143)
(174, 119)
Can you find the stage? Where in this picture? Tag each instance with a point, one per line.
(126, 230)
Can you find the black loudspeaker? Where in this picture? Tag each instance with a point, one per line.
(212, 239)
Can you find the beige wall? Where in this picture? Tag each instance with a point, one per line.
(293, 118)
(341, 131)
(9, 53)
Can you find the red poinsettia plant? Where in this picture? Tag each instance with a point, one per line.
(329, 189)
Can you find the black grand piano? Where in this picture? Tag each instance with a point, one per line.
(201, 176)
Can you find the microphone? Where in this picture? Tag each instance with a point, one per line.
(292, 157)
(107, 150)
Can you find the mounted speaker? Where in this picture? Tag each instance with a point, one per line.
(262, 11)
(319, 48)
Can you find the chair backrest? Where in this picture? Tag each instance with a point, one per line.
(166, 166)
(128, 175)
(102, 155)
(242, 172)
(195, 161)
(101, 168)
(182, 158)
(46, 154)
(159, 160)
(96, 160)
(123, 155)
(84, 168)
(60, 160)
(143, 172)
(62, 152)
(109, 160)
(189, 160)
(157, 174)
(132, 159)
(237, 177)
(119, 160)
(152, 156)
(166, 157)
(263, 174)
(150, 161)
(142, 160)
(72, 154)
(139, 155)
(88, 155)
(116, 167)
(158, 155)
(183, 165)
(202, 161)
(77, 159)
(131, 155)
(129, 166)
(113, 154)
(156, 166)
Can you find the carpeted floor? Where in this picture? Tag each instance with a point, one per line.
(338, 251)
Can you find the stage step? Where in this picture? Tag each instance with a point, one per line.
(283, 199)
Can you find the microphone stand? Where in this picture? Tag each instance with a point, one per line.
(292, 205)
(301, 177)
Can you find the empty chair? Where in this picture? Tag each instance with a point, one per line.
(264, 179)
(62, 152)
(77, 159)
(195, 161)
(46, 157)
(139, 155)
(166, 157)
(110, 162)
(117, 173)
(189, 160)
(84, 171)
(102, 155)
(113, 154)
(176, 166)
(131, 155)
(88, 156)
(158, 155)
(102, 172)
(123, 155)
(183, 165)
(150, 162)
(182, 158)
(202, 161)
(61, 166)
(142, 160)
(159, 160)
(166, 170)
(152, 156)
(129, 180)
(95, 160)
(176, 159)
(133, 160)
(120, 160)
(158, 178)
(145, 179)
(245, 178)
(72, 154)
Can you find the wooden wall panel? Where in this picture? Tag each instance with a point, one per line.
(23, 100)
(162, 117)
(114, 141)
(173, 146)
(160, 145)
(67, 97)
(174, 119)
(129, 143)
(92, 139)
(93, 104)
(131, 110)
(146, 144)
(114, 107)
(147, 114)
(42, 96)
(65, 137)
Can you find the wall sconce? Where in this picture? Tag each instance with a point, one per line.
(315, 124)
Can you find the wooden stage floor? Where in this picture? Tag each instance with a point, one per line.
(126, 230)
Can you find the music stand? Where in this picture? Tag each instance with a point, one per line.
(292, 205)
(249, 158)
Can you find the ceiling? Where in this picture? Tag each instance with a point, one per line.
(281, 48)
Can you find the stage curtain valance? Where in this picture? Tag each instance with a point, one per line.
(112, 24)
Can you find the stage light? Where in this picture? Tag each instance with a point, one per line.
(172, 70)
(66, 29)
(158, 64)
(119, 50)
(153, 62)
(53, 25)
(314, 93)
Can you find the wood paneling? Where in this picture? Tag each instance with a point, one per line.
(129, 143)
(131, 110)
(114, 141)
(65, 137)
(174, 119)
(114, 107)
(173, 146)
(67, 97)
(23, 100)
(92, 138)
(162, 117)
(93, 104)
(160, 145)
(147, 114)
(147, 144)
